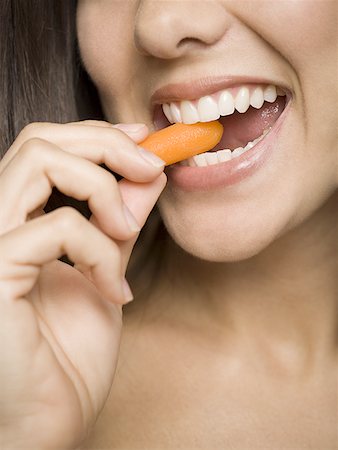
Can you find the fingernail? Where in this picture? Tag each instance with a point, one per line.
(132, 223)
(130, 127)
(151, 158)
(128, 295)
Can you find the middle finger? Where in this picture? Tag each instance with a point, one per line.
(27, 182)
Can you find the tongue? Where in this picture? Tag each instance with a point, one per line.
(239, 128)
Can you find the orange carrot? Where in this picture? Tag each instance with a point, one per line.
(179, 141)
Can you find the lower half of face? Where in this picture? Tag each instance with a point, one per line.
(231, 211)
(230, 204)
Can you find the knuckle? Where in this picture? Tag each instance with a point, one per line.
(105, 181)
(120, 135)
(32, 148)
(67, 218)
(113, 248)
(120, 138)
(113, 254)
(96, 123)
(103, 123)
(8, 277)
(8, 289)
(30, 130)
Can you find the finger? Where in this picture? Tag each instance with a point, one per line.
(108, 145)
(136, 131)
(92, 122)
(131, 128)
(54, 132)
(28, 180)
(140, 199)
(42, 240)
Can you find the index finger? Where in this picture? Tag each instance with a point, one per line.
(98, 144)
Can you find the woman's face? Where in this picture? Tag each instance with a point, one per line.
(141, 54)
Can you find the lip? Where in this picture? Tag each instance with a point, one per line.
(201, 179)
(192, 90)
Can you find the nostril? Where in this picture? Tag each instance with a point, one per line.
(168, 30)
(191, 41)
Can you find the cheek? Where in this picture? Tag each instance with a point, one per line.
(306, 27)
(297, 29)
(304, 34)
(103, 36)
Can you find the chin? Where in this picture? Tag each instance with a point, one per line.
(215, 229)
(221, 237)
(212, 252)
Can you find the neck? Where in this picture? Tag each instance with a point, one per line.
(286, 293)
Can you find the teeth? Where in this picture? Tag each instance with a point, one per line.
(167, 112)
(207, 109)
(188, 112)
(224, 155)
(242, 101)
(238, 151)
(211, 107)
(257, 98)
(270, 94)
(191, 162)
(249, 145)
(226, 104)
(222, 103)
(200, 160)
(175, 113)
(212, 158)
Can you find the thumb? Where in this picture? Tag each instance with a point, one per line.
(140, 198)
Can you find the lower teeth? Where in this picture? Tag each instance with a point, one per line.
(221, 156)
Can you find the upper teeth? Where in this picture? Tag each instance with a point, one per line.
(221, 103)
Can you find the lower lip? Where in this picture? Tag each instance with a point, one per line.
(231, 172)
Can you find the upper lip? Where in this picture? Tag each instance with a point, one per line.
(191, 90)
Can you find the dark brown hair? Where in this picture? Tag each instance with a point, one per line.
(42, 79)
(37, 74)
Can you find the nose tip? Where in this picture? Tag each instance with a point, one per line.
(169, 29)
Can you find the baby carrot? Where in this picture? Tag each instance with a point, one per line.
(179, 141)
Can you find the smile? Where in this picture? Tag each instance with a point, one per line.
(246, 112)
(250, 114)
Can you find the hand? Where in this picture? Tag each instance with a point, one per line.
(60, 325)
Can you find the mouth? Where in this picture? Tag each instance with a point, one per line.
(249, 113)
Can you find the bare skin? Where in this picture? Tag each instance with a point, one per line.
(236, 347)
(255, 367)
(240, 353)
(49, 395)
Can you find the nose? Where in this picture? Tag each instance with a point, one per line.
(170, 28)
